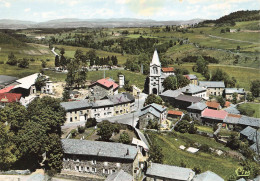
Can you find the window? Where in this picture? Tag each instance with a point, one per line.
(75, 112)
(93, 169)
(106, 171)
(81, 112)
(105, 163)
(113, 171)
(87, 169)
(76, 118)
(94, 162)
(118, 164)
(70, 119)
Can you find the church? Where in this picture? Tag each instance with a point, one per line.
(157, 75)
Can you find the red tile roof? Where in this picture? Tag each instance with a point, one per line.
(234, 115)
(107, 83)
(173, 112)
(213, 104)
(7, 89)
(227, 104)
(168, 69)
(187, 76)
(216, 114)
(10, 97)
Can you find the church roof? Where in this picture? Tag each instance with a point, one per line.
(155, 59)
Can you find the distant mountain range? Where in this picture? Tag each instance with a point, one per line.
(90, 23)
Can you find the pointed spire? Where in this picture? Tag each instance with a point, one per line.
(155, 59)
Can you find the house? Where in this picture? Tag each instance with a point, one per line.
(120, 175)
(6, 98)
(103, 87)
(194, 111)
(118, 104)
(207, 176)
(157, 75)
(175, 114)
(170, 95)
(215, 88)
(184, 101)
(7, 89)
(211, 117)
(47, 88)
(123, 103)
(253, 136)
(227, 104)
(232, 109)
(100, 158)
(156, 171)
(6, 81)
(241, 121)
(213, 105)
(192, 78)
(153, 112)
(230, 91)
(136, 91)
(194, 90)
(26, 85)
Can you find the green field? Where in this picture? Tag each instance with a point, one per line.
(254, 106)
(221, 165)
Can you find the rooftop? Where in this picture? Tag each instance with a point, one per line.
(233, 90)
(10, 97)
(169, 172)
(167, 69)
(213, 104)
(213, 84)
(121, 98)
(232, 109)
(6, 80)
(106, 82)
(171, 93)
(120, 175)
(208, 176)
(7, 89)
(227, 104)
(174, 112)
(74, 105)
(198, 106)
(187, 98)
(155, 59)
(154, 109)
(27, 82)
(214, 114)
(191, 77)
(192, 89)
(99, 148)
(251, 133)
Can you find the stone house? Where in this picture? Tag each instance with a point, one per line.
(194, 111)
(194, 90)
(213, 105)
(162, 172)
(192, 78)
(230, 91)
(101, 158)
(212, 117)
(118, 104)
(184, 101)
(253, 137)
(175, 114)
(170, 95)
(48, 88)
(215, 88)
(237, 121)
(102, 88)
(153, 112)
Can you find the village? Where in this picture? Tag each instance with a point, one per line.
(108, 131)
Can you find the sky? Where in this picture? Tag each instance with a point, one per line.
(162, 10)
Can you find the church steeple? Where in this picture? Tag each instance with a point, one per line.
(155, 60)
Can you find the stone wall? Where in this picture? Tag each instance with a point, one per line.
(99, 92)
(144, 119)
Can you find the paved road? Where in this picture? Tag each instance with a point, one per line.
(53, 51)
(218, 37)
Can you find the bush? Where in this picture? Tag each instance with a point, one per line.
(73, 133)
(1, 62)
(182, 126)
(124, 138)
(81, 129)
(117, 127)
(91, 122)
(197, 169)
(24, 63)
(205, 148)
(192, 129)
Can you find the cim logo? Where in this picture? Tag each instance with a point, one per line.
(242, 173)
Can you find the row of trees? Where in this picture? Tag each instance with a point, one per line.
(22, 63)
(31, 133)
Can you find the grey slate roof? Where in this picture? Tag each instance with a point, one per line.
(171, 93)
(251, 133)
(120, 175)
(187, 98)
(169, 172)
(250, 121)
(241, 179)
(192, 89)
(231, 120)
(233, 90)
(232, 110)
(102, 103)
(121, 98)
(192, 77)
(6, 80)
(154, 109)
(75, 105)
(99, 148)
(208, 176)
(198, 106)
(213, 84)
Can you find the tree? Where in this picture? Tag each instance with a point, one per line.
(170, 83)
(44, 64)
(221, 101)
(12, 59)
(90, 122)
(201, 65)
(234, 98)
(40, 82)
(250, 97)
(192, 129)
(183, 126)
(197, 170)
(65, 95)
(105, 130)
(233, 142)
(181, 81)
(152, 98)
(23, 63)
(124, 138)
(155, 154)
(255, 88)
(7, 148)
(57, 61)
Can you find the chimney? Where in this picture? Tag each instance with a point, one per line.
(127, 151)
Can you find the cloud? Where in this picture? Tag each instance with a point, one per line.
(5, 3)
(48, 15)
(27, 9)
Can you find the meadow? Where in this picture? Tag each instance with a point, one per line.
(253, 106)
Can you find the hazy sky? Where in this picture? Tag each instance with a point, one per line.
(42, 10)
